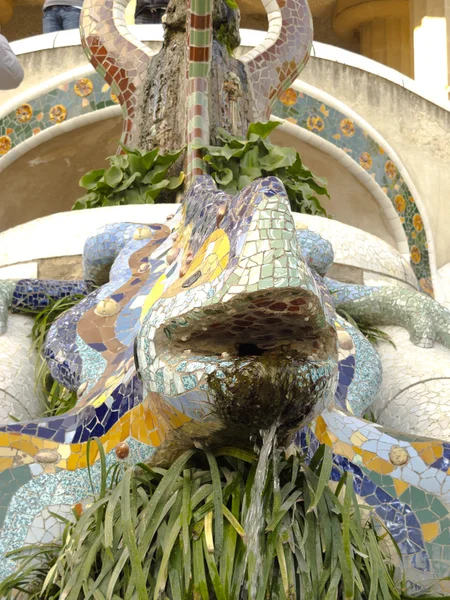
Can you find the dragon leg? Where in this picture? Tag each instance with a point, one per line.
(426, 320)
(404, 480)
(101, 250)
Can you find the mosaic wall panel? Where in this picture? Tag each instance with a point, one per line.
(335, 127)
(72, 99)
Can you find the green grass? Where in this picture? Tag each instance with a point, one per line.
(55, 397)
(373, 334)
(178, 534)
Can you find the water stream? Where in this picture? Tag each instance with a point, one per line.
(254, 520)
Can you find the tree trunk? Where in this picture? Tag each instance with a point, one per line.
(161, 118)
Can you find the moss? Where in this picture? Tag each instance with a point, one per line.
(255, 393)
(224, 37)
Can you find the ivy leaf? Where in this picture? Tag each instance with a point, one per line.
(244, 180)
(175, 182)
(129, 181)
(84, 202)
(278, 158)
(225, 136)
(227, 152)
(251, 158)
(137, 165)
(90, 180)
(119, 160)
(168, 159)
(113, 176)
(251, 172)
(149, 158)
(262, 129)
(224, 177)
(129, 150)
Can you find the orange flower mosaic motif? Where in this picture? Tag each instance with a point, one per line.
(365, 160)
(416, 257)
(114, 98)
(5, 144)
(400, 203)
(347, 127)
(425, 284)
(83, 87)
(417, 222)
(58, 113)
(315, 123)
(289, 97)
(24, 113)
(411, 199)
(390, 169)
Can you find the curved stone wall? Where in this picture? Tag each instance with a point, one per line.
(76, 98)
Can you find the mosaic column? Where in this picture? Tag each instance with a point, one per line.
(199, 34)
(383, 27)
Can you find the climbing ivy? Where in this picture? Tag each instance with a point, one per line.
(241, 160)
(133, 177)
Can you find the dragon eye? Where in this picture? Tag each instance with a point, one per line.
(136, 359)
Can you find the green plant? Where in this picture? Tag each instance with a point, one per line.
(242, 160)
(56, 398)
(373, 334)
(222, 33)
(132, 178)
(177, 534)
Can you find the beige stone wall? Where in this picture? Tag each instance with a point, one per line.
(418, 130)
(350, 202)
(53, 171)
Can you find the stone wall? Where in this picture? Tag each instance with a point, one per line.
(417, 129)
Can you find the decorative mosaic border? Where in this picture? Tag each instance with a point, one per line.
(88, 94)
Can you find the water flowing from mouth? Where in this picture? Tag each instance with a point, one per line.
(254, 523)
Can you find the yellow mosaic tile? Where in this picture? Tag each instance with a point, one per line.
(430, 531)
(400, 486)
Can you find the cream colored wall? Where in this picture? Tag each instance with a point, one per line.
(418, 130)
(350, 202)
(45, 180)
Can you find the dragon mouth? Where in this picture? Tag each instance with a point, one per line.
(283, 322)
(255, 359)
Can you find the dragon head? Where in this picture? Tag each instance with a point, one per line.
(239, 331)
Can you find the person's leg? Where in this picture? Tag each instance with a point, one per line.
(149, 17)
(50, 20)
(70, 17)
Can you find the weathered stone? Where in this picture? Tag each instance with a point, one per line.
(47, 457)
(398, 456)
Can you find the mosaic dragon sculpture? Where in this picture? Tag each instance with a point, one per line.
(227, 288)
